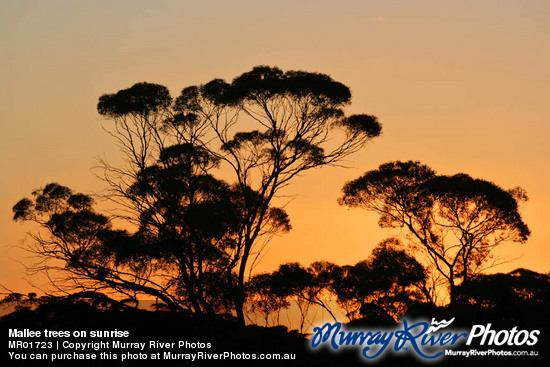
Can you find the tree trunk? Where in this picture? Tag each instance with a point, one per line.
(464, 273)
(239, 304)
(452, 290)
(240, 294)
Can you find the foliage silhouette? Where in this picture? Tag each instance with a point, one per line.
(197, 235)
(298, 285)
(514, 294)
(266, 296)
(455, 220)
(383, 285)
(292, 283)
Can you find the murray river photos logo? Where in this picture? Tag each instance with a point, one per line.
(428, 341)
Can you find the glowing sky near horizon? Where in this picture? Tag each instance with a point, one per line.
(460, 86)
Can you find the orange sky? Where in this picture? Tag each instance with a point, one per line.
(461, 86)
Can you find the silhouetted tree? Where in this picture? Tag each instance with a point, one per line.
(80, 250)
(266, 296)
(512, 295)
(325, 275)
(31, 301)
(181, 252)
(291, 282)
(294, 282)
(292, 116)
(266, 127)
(456, 220)
(17, 301)
(386, 283)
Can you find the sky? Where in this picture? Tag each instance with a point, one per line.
(462, 86)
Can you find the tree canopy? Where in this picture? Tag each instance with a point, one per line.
(455, 220)
(382, 286)
(198, 234)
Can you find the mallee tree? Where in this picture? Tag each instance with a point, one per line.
(456, 221)
(197, 234)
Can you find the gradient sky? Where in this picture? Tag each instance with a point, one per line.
(463, 86)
